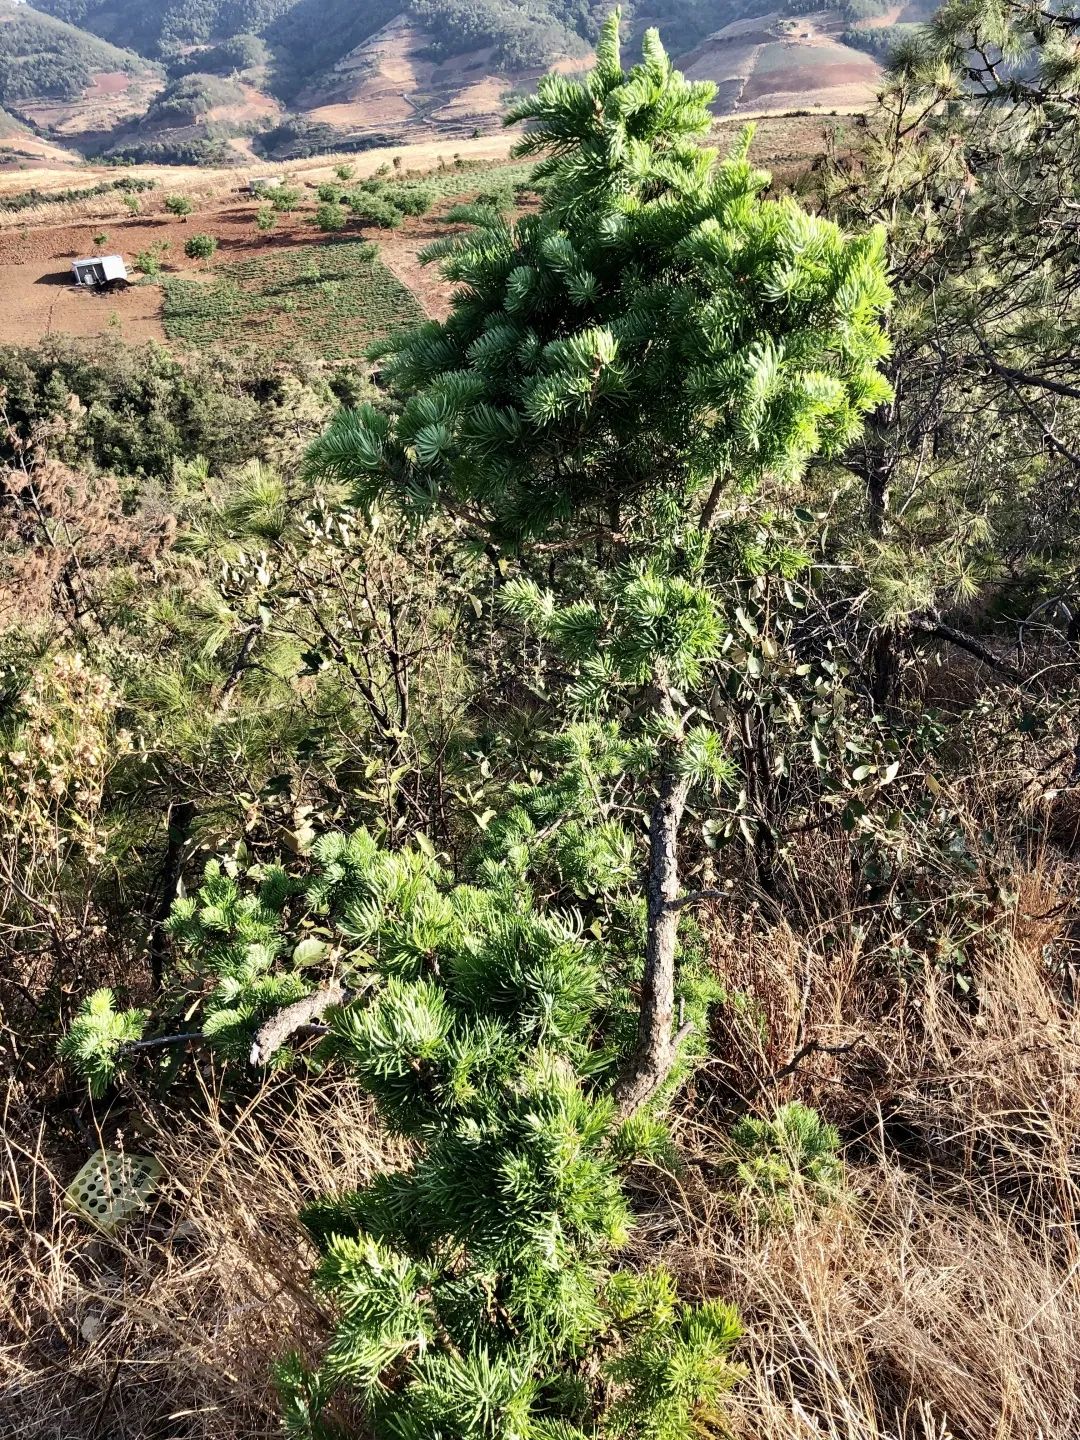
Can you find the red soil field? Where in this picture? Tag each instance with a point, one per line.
(37, 297)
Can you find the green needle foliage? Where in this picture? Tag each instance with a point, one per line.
(474, 1290)
(97, 1038)
(791, 1155)
(657, 327)
(237, 939)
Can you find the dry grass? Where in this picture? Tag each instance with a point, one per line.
(939, 1301)
(170, 1328)
(206, 185)
(943, 1301)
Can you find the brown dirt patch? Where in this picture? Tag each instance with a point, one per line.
(400, 251)
(107, 82)
(256, 105)
(34, 307)
(104, 104)
(824, 81)
(40, 300)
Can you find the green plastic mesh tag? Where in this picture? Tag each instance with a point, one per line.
(112, 1188)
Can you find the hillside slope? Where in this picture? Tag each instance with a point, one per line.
(346, 74)
(21, 149)
(41, 56)
(779, 61)
(153, 26)
(63, 82)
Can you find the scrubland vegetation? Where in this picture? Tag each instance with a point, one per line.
(562, 843)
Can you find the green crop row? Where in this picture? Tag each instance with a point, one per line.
(335, 298)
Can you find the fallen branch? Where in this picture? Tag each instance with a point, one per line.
(271, 1036)
(696, 895)
(812, 1047)
(160, 1041)
(931, 624)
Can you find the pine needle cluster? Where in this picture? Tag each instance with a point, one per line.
(657, 326)
(475, 1291)
(790, 1155)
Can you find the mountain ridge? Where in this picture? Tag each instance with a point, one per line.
(318, 75)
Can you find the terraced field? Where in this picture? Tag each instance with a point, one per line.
(334, 298)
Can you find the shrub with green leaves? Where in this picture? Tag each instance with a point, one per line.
(413, 202)
(148, 263)
(375, 210)
(200, 247)
(265, 218)
(179, 205)
(283, 198)
(331, 217)
(791, 1157)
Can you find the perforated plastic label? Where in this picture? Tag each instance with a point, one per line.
(112, 1188)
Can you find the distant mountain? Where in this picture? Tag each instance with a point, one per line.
(154, 27)
(41, 56)
(214, 80)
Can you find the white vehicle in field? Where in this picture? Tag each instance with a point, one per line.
(100, 272)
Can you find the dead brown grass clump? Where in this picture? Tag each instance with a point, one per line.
(942, 1301)
(170, 1328)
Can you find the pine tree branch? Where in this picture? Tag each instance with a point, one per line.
(929, 623)
(696, 895)
(812, 1047)
(1022, 377)
(271, 1036)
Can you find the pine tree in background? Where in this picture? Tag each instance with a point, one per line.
(970, 159)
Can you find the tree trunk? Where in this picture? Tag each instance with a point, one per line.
(654, 1052)
(878, 496)
(886, 669)
(180, 818)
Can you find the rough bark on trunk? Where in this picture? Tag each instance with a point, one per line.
(297, 1016)
(886, 669)
(654, 1052)
(180, 819)
(879, 497)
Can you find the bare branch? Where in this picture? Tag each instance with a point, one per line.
(298, 1016)
(812, 1047)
